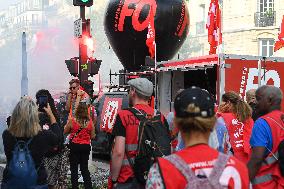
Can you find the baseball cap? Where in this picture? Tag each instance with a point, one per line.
(197, 96)
(142, 85)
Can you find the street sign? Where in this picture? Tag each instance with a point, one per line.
(78, 27)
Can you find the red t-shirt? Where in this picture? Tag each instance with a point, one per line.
(84, 136)
(201, 159)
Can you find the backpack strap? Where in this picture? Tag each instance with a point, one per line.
(76, 134)
(142, 118)
(138, 114)
(141, 115)
(218, 169)
(184, 168)
(29, 141)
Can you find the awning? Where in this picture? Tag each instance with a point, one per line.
(191, 63)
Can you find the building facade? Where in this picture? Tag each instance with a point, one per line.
(27, 15)
(250, 27)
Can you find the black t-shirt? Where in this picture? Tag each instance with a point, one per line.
(118, 128)
(44, 120)
(39, 146)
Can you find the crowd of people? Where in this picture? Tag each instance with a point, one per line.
(238, 144)
(41, 146)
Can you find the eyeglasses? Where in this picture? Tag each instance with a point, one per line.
(72, 88)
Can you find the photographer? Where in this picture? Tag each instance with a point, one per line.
(54, 158)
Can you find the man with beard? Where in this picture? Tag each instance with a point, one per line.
(267, 134)
(75, 95)
(125, 132)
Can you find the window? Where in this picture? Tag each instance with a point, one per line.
(266, 6)
(266, 47)
(200, 24)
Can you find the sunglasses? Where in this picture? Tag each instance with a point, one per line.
(72, 88)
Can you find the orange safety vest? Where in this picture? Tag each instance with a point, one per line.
(239, 134)
(131, 124)
(269, 176)
(91, 109)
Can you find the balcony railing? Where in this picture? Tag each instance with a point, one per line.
(200, 27)
(265, 19)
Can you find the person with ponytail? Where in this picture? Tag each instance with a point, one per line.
(234, 126)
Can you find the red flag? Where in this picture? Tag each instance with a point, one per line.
(214, 26)
(280, 42)
(150, 41)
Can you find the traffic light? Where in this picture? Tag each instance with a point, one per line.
(93, 66)
(72, 66)
(86, 3)
(88, 87)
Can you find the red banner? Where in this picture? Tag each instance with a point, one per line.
(109, 112)
(243, 75)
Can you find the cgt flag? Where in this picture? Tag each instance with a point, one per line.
(150, 41)
(280, 42)
(214, 26)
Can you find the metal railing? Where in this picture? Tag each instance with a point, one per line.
(265, 19)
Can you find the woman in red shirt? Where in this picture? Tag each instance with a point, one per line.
(81, 131)
(235, 122)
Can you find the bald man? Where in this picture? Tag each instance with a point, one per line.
(266, 136)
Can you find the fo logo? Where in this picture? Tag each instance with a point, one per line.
(110, 114)
(269, 77)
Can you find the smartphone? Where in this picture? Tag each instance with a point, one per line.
(42, 102)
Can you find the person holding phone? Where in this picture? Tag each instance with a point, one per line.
(53, 159)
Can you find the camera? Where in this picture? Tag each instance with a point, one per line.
(42, 102)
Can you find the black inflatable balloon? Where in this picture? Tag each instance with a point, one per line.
(126, 26)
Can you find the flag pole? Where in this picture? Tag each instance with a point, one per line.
(220, 49)
(220, 53)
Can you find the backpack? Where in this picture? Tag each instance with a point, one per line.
(196, 182)
(22, 172)
(153, 141)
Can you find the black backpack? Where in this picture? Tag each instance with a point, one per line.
(153, 141)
